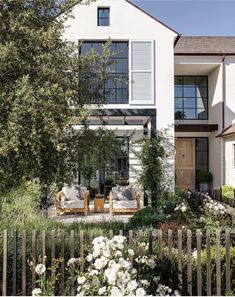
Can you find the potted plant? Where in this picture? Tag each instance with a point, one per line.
(204, 179)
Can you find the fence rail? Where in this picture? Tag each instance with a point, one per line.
(209, 252)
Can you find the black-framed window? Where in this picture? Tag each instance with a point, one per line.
(116, 88)
(191, 97)
(202, 153)
(103, 16)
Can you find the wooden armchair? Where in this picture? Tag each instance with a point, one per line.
(72, 206)
(124, 206)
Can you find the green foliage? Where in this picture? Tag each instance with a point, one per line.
(40, 79)
(227, 193)
(146, 217)
(204, 176)
(170, 271)
(153, 156)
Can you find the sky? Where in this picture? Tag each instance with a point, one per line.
(190, 17)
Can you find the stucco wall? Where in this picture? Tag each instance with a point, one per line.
(229, 142)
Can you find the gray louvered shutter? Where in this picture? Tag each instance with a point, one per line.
(141, 72)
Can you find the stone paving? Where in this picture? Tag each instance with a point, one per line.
(91, 217)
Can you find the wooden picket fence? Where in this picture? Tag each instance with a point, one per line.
(18, 248)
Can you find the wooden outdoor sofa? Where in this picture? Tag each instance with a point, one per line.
(124, 206)
(72, 206)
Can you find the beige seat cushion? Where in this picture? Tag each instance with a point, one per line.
(125, 204)
(72, 204)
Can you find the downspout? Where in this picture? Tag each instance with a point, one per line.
(223, 121)
(223, 92)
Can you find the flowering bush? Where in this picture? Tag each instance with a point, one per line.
(113, 269)
(214, 207)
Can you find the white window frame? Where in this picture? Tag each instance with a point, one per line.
(151, 100)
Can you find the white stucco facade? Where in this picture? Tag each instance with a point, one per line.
(130, 24)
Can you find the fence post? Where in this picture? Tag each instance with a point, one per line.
(110, 234)
(218, 264)
(208, 263)
(52, 246)
(160, 244)
(179, 245)
(34, 258)
(72, 244)
(199, 267)
(170, 245)
(150, 239)
(228, 263)
(81, 250)
(189, 258)
(24, 262)
(4, 273)
(44, 247)
(14, 266)
(62, 267)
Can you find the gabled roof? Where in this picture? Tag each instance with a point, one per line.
(228, 131)
(205, 45)
(157, 20)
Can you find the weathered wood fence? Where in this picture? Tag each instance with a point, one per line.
(201, 267)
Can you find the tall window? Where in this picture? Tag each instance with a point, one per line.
(202, 162)
(103, 17)
(115, 89)
(191, 97)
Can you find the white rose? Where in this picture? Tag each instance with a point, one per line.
(110, 275)
(151, 264)
(89, 258)
(131, 252)
(102, 291)
(98, 264)
(195, 254)
(144, 282)
(116, 292)
(40, 269)
(183, 209)
(140, 292)
(118, 254)
(81, 280)
(93, 272)
(36, 292)
(72, 261)
(132, 285)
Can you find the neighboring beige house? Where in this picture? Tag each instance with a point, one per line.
(186, 84)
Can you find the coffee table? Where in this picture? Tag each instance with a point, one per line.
(99, 203)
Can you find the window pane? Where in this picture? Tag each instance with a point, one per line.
(121, 66)
(202, 114)
(189, 113)
(85, 47)
(103, 12)
(179, 114)
(103, 22)
(178, 91)
(103, 17)
(201, 91)
(201, 157)
(202, 103)
(98, 47)
(179, 103)
(189, 91)
(122, 49)
(189, 103)
(201, 81)
(201, 144)
(189, 81)
(178, 80)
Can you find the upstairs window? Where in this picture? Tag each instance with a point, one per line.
(116, 87)
(103, 16)
(191, 97)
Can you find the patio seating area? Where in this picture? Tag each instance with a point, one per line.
(74, 204)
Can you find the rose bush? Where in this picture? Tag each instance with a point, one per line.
(112, 268)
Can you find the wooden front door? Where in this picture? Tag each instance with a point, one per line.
(185, 163)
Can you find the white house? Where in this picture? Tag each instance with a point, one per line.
(185, 84)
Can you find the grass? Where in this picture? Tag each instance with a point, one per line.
(20, 208)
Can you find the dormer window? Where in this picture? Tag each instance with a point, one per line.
(103, 16)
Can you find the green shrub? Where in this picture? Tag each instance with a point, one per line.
(170, 200)
(169, 271)
(146, 217)
(227, 193)
(204, 176)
